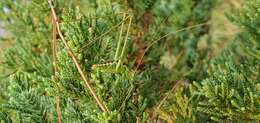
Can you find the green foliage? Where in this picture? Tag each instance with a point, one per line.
(183, 47)
(108, 39)
(232, 91)
(23, 95)
(177, 56)
(247, 20)
(230, 94)
(178, 108)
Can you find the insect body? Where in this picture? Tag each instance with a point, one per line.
(112, 69)
(117, 67)
(106, 67)
(109, 67)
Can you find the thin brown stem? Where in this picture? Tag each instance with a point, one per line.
(54, 49)
(58, 108)
(54, 33)
(75, 61)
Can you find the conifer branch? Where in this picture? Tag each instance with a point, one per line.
(74, 59)
(168, 94)
(179, 46)
(165, 98)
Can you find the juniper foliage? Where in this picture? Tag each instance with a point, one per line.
(230, 93)
(133, 52)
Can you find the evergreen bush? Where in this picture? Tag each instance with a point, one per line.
(127, 61)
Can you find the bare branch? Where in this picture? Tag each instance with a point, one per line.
(58, 108)
(54, 33)
(54, 49)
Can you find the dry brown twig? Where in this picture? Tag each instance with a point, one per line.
(75, 61)
(58, 108)
(54, 33)
(55, 70)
